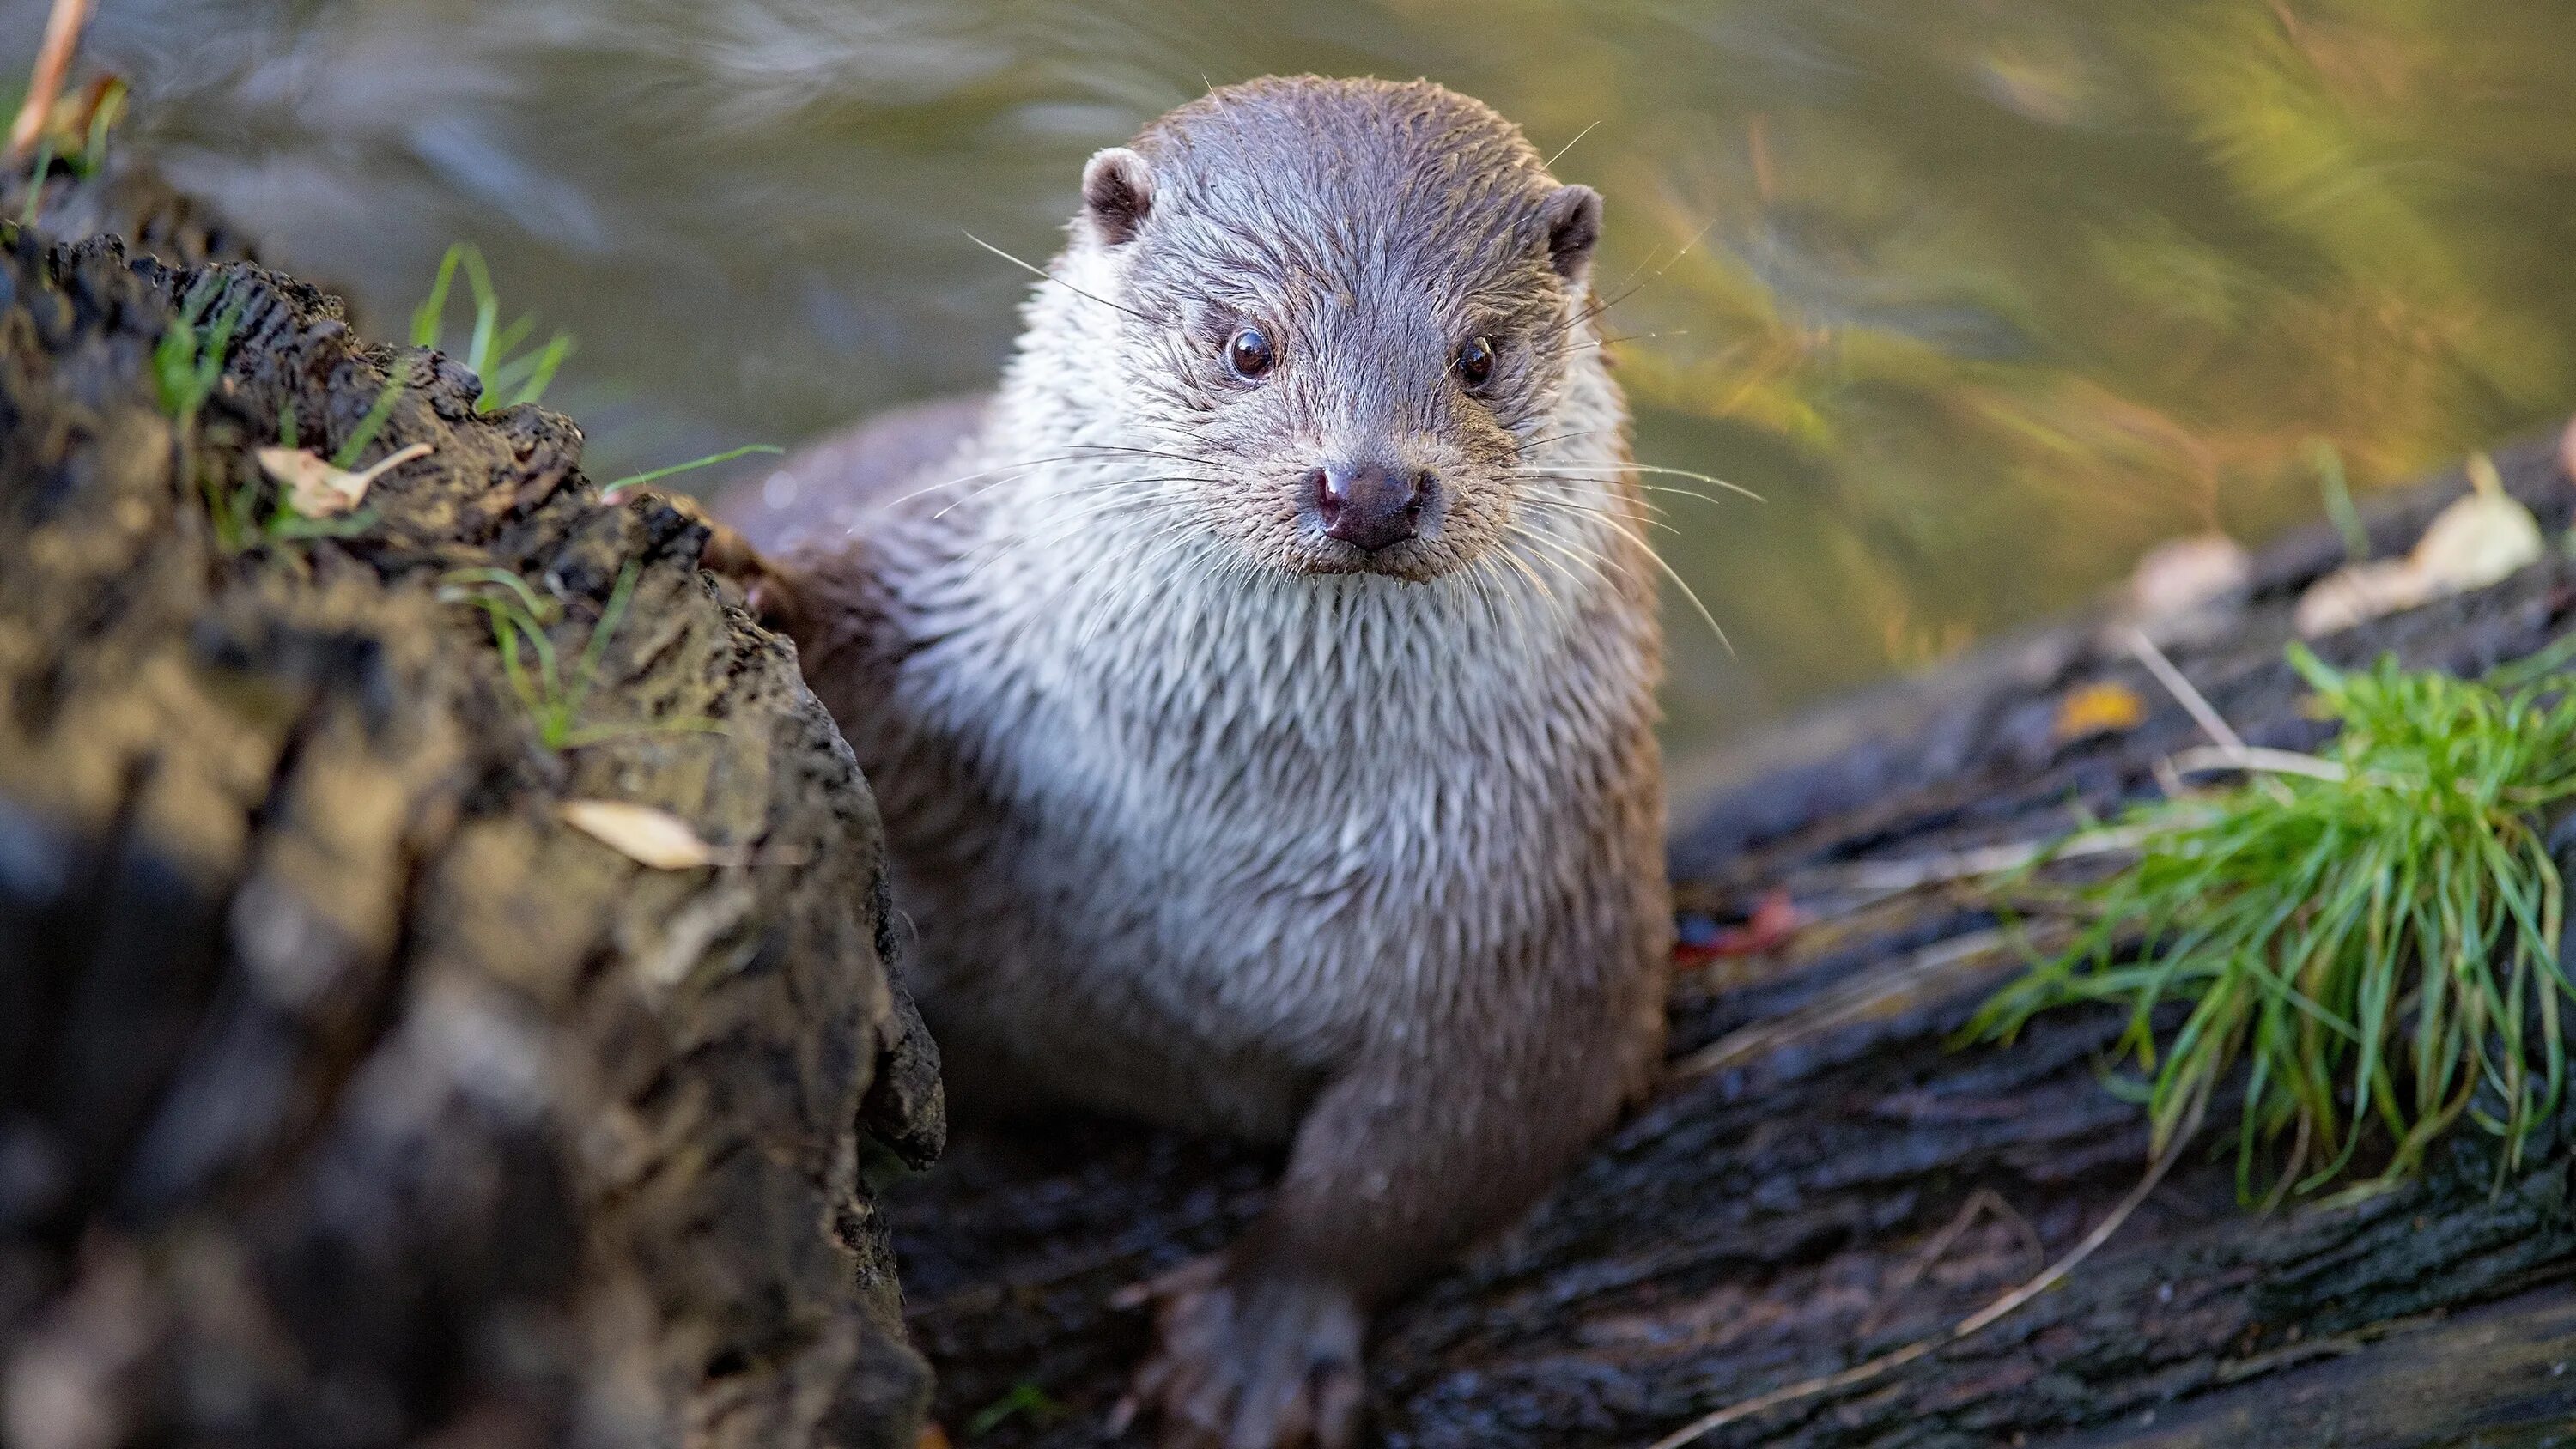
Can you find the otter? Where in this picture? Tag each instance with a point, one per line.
(1259, 688)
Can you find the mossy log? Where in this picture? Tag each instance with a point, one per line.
(1825, 1178)
(348, 1095)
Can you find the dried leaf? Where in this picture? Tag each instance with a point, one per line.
(2183, 574)
(2359, 592)
(641, 833)
(2478, 540)
(318, 488)
(2099, 709)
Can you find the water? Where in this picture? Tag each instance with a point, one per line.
(1987, 296)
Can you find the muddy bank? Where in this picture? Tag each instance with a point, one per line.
(1822, 1179)
(348, 1094)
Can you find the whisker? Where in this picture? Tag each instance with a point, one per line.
(1115, 448)
(1598, 344)
(1631, 289)
(1591, 560)
(1491, 591)
(1057, 527)
(1587, 509)
(1574, 468)
(1059, 281)
(1551, 161)
(1560, 437)
(1572, 581)
(1021, 466)
(1141, 569)
(1678, 581)
(1076, 490)
(1125, 493)
(1527, 572)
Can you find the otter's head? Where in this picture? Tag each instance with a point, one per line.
(1352, 304)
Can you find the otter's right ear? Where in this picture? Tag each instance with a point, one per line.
(1117, 193)
(1573, 225)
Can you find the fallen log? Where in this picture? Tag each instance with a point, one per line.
(1824, 1178)
(349, 1093)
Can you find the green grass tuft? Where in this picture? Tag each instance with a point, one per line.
(554, 697)
(187, 365)
(492, 351)
(2379, 947)
(189, 359)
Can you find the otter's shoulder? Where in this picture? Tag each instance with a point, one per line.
(823, 487)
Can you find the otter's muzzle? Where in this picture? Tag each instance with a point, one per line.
(1371, 507)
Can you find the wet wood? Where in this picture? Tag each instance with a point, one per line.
(348, 1094)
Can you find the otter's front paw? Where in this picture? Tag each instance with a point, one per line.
(762, 587)
(1248, 1360)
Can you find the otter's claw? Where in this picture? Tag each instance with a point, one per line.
(1246, 1361)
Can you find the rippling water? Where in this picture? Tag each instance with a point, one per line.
(1986, 296)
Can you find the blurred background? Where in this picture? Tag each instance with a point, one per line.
(1984, 296)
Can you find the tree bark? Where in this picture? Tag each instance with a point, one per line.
(1778, 1212)
(349, 1095)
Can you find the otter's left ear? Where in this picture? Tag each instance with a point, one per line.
(1117, 193)
(1573, 217)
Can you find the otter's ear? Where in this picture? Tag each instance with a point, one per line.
(1117, 193)
(1573, 225)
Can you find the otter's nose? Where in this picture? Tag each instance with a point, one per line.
(1370, 507)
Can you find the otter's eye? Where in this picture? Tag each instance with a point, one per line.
(1476, 361)
(1249, 353)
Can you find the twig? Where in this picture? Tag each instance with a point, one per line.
(2193, 701)
(1843, 1005)
(1977, 1205)
(1976, 1322)
(2257, 759)
(2202, 712)
(53, 62)
(1904, 875)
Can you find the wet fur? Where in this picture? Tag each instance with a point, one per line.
(1204, 822)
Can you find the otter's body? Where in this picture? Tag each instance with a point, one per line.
(1208, 814)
